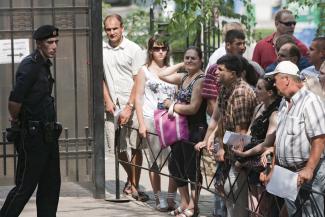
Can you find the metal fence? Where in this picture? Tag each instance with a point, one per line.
(265, 204)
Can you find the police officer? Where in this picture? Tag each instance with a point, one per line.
(32, 111)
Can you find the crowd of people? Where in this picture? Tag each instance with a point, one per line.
(276, 98)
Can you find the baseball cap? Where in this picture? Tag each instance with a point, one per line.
(45, 32)
(285, 67)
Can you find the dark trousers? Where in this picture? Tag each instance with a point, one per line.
(182, 163)
(38, 166)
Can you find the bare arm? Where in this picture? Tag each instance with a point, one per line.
(128, 109)
(170, 74)
(109, 105)
(196, 100)
(317, 148)
(268, 141)
(139, 92)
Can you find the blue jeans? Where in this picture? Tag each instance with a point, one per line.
(310, 203)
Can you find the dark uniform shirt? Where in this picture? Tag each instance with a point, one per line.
(33, 89)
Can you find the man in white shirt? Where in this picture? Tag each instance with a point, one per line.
(122, 60)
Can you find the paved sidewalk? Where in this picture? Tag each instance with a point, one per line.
(76, 199)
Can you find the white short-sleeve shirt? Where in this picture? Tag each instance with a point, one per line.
(121, 63)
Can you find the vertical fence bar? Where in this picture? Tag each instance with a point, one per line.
(87, 148)
(66, 143)
(4, 149)
(77, 160)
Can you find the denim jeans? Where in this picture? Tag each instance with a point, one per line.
(309, 203)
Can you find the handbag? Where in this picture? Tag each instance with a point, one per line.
(170, 126)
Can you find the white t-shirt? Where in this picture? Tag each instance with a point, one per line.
(155, 91)
(121, 63)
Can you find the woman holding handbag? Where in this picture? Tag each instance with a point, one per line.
(183, 162)
(150, 93)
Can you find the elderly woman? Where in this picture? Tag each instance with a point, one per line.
(150, 93)
(189, 103)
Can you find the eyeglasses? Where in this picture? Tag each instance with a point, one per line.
(157, 49)
(290, 23)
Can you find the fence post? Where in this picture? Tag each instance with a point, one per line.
(4, 152)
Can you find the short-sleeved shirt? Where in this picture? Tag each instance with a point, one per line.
(297, 127)
(33, 89)
(211, 86)
(236, 104)
(121, 63)
(221, 51)
(264, 51)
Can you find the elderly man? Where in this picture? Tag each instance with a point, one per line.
(264, 52)
(300, 139)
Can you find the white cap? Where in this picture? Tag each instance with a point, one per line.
(286, 67)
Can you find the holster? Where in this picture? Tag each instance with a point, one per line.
(52, 131)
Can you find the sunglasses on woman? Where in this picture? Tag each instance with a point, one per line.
(157, 49)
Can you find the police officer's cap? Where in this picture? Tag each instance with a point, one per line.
(45, 32)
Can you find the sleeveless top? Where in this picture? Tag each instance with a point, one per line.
(260, 125)
(155, 91)
(197, 122)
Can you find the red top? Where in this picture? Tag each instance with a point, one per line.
(264, 51)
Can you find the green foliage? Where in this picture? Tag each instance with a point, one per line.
(137, 25)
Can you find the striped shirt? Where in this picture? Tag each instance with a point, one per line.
(297, 127)
(211, 86)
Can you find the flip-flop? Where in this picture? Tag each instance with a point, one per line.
(140, 196)
(176, 211)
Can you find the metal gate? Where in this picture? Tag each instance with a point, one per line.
(77, 70)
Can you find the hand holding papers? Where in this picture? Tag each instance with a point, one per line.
(234, 139)
(116, 114)
(283, 183)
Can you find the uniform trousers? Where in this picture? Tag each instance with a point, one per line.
(38, 166)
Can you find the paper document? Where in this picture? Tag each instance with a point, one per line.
(116, 117)
(283, 183)
(232, 138)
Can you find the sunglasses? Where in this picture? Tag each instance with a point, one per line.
(157, 49)
(288, 23)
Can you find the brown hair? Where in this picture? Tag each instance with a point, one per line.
(279, 14)
(160, 41)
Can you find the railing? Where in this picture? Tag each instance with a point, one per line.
(75, 157)
(275, 204)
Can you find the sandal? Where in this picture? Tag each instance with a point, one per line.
(176, 211)
(127, 189)
(188, 213)
(140, 196)
(172, 206)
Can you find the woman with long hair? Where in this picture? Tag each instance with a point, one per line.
(150, 93)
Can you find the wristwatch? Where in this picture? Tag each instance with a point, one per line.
(131, 105)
